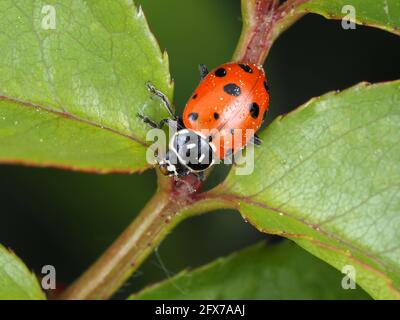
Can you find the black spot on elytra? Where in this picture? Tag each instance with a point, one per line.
(246, 68)
(193, 116)
(266, 86)
(232, 89)
(194, 96)
(216, 115)
(232, 131)
(254, 110)
(220, 72)
(210, 139)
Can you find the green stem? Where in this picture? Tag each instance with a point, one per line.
(162, 213)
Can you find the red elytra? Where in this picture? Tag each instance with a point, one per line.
(232, 96)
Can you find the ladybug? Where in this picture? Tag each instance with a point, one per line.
(220, 118)
(233, 96)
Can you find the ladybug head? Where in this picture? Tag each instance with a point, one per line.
(189, 152)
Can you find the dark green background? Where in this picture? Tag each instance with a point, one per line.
(66, 219)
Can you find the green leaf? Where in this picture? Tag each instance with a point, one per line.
(383, 14)
(328, 177)
(259, 272)
(70, 95)
(16, 281)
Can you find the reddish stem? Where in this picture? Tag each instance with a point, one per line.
(263, 22)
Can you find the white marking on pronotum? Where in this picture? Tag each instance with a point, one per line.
(202, 157)
(191, 146)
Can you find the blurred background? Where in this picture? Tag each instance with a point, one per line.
(67, 219)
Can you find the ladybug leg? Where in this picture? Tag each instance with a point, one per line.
(163, 97)
(147, 120)
(151, 123)
(203, 71)
(162, 123)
